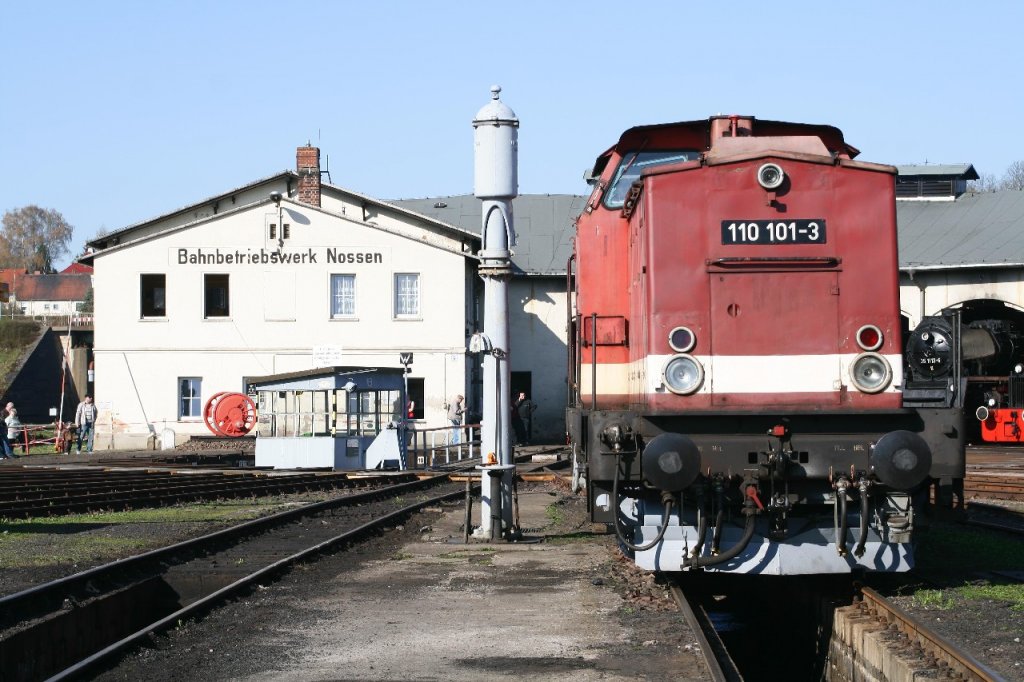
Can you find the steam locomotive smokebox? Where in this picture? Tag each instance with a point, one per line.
(901, 459)
(671, 462)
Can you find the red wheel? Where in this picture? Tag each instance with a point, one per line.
(234, 414)
(209, 411)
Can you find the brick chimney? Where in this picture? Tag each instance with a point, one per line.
(307, 165)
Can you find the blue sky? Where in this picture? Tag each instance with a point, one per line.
(116, 112)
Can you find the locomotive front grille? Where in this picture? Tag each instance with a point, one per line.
(1017, 391)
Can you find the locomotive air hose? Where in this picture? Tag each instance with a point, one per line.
(841, 537)
(702, 526)
(716, 539)
(865, 507)
(666, 500)
(732, 552)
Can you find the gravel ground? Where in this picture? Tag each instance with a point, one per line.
(417, 603)
(296, 623)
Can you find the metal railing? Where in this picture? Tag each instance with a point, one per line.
(433, 447)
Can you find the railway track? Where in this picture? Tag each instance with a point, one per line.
(716, 657)
(27, 493)
(917, 643)
(71, 626)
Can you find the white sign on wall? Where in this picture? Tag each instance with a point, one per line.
(326, 356)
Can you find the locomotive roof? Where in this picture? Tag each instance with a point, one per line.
(984, 229)
(830, 135)
(543, 225)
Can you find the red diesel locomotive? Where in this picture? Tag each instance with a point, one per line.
(738, 399)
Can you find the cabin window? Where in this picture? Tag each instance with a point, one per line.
(633, 163)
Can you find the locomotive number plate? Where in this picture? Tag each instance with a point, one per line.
(803, 231)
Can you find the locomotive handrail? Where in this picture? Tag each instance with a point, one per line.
(754, 261)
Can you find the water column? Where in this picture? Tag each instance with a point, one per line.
(495, 183)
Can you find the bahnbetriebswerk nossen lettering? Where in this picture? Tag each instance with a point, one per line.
(303, 256)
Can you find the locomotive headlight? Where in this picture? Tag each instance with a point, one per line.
(870, 373)
(683, 374)
(770, 176)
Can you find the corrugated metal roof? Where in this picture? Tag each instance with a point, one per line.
(983, 229)
(543, 225)
(959, 170)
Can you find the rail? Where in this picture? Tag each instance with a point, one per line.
(916, 633)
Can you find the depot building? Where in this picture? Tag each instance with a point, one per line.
(288, 274)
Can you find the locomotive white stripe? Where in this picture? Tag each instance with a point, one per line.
(742, 374)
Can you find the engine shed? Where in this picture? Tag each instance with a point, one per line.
(340, 418)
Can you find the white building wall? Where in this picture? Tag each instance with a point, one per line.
(931, 291)
(279, 313)
(537, 315)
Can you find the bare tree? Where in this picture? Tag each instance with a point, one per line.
(986, 182)
(33, 238)
(1014, 176)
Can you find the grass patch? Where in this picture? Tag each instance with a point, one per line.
(1012, 594)
(554, 513)
(95, 537)
(933, 599)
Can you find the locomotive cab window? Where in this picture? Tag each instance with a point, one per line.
(633, 163)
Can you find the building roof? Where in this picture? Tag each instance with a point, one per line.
(126, 234)
(77, 269)
(543, 224)
(984, 229)
(52, 287)
(963, 171)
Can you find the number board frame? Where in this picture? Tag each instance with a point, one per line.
(774, 232)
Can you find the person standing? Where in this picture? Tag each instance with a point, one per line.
(456, 408)
(14, 428)
(85, 420)
(5, 445)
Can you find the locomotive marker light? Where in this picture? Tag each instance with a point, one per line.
(682, 340)
(869, 337)
(770, 176)
(495, 183)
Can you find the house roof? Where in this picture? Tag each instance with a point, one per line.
(77, 269)
(543, 224)
(125, 234)
(964, 171)
(52, 287)
(984, 229)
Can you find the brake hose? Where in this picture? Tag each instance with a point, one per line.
(666, 499)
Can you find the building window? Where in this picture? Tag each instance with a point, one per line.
(216, 288)
(190, 390)
(343, 295)
(407, 294)
(154, 289)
